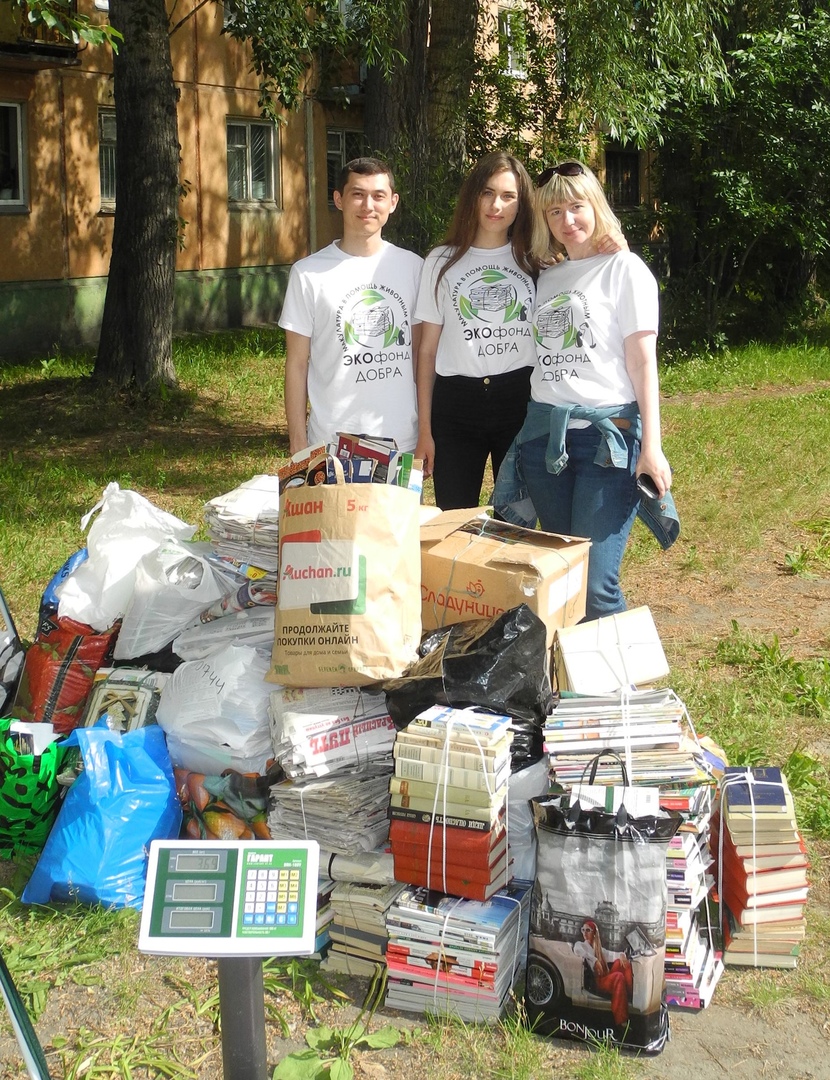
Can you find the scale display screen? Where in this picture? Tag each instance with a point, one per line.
(230, 898)
(202, 864)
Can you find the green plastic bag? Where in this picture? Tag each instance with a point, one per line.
(29, 793)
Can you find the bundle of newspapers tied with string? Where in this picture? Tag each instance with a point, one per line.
(243, 526)
(335, 746)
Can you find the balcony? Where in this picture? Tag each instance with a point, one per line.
(31, 48)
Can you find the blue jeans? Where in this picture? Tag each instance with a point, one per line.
(587, 499)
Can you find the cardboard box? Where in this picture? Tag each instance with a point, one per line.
(473, 567)
(604, 655)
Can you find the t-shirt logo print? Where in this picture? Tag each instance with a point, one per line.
(371, 322)
(555, 320)
(491, 298)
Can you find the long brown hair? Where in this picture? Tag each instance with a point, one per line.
(464, 225)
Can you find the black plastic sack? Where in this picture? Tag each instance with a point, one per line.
(499, 664)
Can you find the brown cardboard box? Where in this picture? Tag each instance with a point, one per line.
(473, 567)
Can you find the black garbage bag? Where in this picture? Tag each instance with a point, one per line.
(499, 664)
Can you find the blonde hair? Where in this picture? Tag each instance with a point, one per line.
(567, 189)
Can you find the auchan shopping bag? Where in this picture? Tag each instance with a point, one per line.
(349, 600)
(597, 944)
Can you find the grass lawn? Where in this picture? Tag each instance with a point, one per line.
(742, 603)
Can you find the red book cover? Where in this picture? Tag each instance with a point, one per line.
(475, 858)
(455, 839)
(454, 885)
(404, 867)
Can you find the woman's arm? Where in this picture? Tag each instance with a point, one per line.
(641, 365)
(425, 380)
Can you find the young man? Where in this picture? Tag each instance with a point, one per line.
(347, 318)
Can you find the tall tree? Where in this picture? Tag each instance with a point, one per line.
(136, 342)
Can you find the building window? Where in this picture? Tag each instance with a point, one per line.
(252, 161)
(513, 41)
(106, 157)
(622, 176)
(341, 146)
(12, 158)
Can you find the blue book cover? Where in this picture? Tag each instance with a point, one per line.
(769, 789)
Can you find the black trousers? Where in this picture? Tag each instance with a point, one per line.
(473, 419)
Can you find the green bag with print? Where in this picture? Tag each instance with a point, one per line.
(29, 793)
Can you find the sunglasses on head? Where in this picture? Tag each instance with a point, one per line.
(567, 168)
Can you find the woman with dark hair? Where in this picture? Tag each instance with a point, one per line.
(476, 353)
(612, 973)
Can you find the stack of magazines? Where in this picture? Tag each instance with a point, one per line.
(645, 725)
(358, 926)
(456, 957)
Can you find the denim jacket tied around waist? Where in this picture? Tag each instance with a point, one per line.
(510, 497)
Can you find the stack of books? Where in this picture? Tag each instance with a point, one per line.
(358, 927)
(761, 868)
(447, 802)
(693, 962)
(456, 957)
(648, 723)
(325, 914)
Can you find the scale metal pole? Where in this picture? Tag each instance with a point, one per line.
(242, 1009)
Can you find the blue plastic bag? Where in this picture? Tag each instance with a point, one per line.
(125, 797)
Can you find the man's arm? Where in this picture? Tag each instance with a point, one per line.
(297, 354)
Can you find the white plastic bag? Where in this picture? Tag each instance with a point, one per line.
(216, 711)
(174, 584)
(253, 626)
(98, 591)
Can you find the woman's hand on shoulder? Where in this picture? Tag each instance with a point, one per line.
(611, 243)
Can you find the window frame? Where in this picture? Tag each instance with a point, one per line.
(620, 155)
(272, 200)
(21, 203)
(343, 155)
(512, 57)
(107, 201)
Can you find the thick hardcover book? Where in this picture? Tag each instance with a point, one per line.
(454, 839)
(409, 768)
(473, 856)
(464, 725)
(454, 884)
(461, 820)
(485, 871)
(763, 792)
(426, 789)
(421, 746)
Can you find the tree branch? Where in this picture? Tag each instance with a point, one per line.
(189, 15)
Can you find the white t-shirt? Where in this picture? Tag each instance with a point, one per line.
(358, 313)
(585, 309)
(484, 305)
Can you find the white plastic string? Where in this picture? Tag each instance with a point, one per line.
(302, 811)
(441, 938)
(625, 698)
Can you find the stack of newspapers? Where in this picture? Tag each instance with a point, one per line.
(456, 957)
(345, 814)
(243, 526)
(321, 732)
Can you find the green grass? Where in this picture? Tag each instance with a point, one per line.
(745, 432)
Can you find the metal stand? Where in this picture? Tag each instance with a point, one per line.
(242, 1009)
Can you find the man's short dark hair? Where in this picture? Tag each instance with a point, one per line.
(365, 166)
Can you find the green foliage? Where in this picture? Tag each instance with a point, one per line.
(62, 17)
(744, 190)
(330, 1048)
(291, 37)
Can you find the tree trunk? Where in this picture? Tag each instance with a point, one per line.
(450, 67)
(136, 343)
